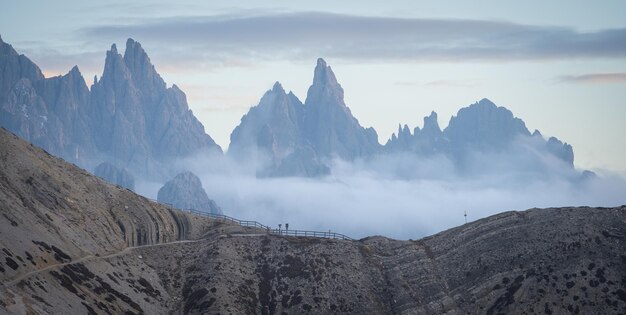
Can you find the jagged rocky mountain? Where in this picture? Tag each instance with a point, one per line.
(298, 139)
(114, 175)
(428, 141)
(129, 117)
(137, 119)
(483, 128)
(185, 191)
(49, 112)
(328, 123)
(288, 138)
(73, 244)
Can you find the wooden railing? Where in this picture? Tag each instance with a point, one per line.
(256, 224)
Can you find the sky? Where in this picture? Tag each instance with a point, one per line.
(558, 65)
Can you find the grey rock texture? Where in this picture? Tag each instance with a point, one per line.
(129, 116)
(481, 127)
(48, 112)
(136, 119)
(270, 130)
(329, 125)
(66, 235)
(185, 192)
(14, 67)
(426, 141)
(114, 175)
(271, 134)
(294, 139)
(568, 260)
(58, 223)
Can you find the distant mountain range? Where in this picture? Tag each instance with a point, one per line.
(132, 120)
(128, 117)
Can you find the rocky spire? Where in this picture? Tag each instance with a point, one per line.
(329, 125)
(6, 49)
(185, 192)
(325, 87)
(324, 74)
(278, 88)
(431, 125)
(142, 70)
(272, 127)
(113, 66)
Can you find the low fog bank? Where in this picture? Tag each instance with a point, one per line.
(400, 196)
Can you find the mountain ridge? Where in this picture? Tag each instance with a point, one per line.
(129, 117)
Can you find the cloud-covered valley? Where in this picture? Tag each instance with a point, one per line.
(400, 196)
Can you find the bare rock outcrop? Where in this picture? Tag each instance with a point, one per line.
(129, 117)
(185, 191)
(288, 138)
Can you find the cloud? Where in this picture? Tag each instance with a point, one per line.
(306, 35)
(57, 62)
(440, 83)
(595, 78)
(402, 196)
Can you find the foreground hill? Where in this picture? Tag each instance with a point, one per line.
(73, 244)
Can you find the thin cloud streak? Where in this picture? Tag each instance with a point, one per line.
(307, 35)
(440, 83)
(595, 78)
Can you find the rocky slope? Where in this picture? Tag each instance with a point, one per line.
(66, 235)
(185, 191)
(53, 213)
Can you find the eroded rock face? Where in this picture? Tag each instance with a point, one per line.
(542, 260)
(129, 116)
(288, 138)
(54, 213)
(484, 132)
(329, 124)
(270, 132)
(48, 112)
(185, 192)
(137, 119)
(14, 67)
(114, 175)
